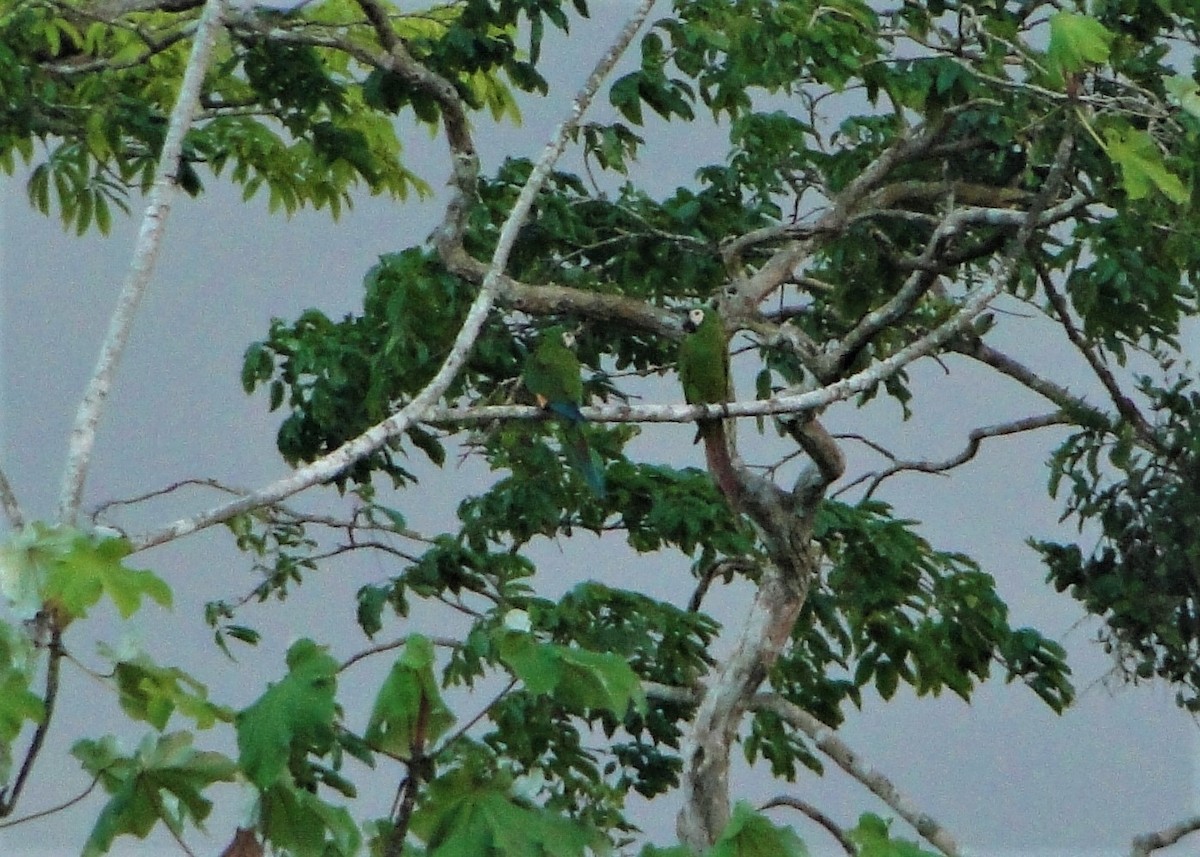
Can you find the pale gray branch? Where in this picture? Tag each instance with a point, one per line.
(825, 740)
(1147, 842)
(329, 466)
(149, 240)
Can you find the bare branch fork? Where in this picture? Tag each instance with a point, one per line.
(465, 169)
(145, 254)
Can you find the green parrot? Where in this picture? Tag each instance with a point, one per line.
(704, 374)
(552, 375)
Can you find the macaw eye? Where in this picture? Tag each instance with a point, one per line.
(568, 339)
(696, 315)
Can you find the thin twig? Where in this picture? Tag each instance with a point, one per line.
(1124, 405)
(146, 248)
(974, 439)
(12, 508)
(816, 815)
(67, 804)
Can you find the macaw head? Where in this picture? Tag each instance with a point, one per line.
(695, 318)
(560, 335)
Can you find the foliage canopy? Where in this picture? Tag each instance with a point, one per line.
(903, 181)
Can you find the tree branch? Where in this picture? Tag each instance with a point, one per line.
(832, 746)
(465, 168)
(1145, 843)
(1124, 405)
(816, 815)
(9, 798)
(974, 439)
(149, 240)
(12, 508)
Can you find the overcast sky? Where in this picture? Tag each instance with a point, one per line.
(1004, 774)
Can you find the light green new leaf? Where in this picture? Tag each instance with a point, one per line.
(1185, 92)
(162, 781)
(1076, 42)
(409, 699)
(1141, 163)
(296, 713)
(91, 569)
(750, 834)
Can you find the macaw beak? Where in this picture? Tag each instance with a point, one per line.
(689, 326)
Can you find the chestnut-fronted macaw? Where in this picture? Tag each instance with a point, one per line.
(552, 376)
(704, 374)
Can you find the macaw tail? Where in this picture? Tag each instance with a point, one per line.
(567, 410)
(584, 461)
(716, 456)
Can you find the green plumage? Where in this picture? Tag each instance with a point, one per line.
(704, 374)
(552, 375)
(704, 358)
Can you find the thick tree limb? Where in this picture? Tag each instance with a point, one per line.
(977, 349)
(705, 778)
(335, 462)
(149, 240)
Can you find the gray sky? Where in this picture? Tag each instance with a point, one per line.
(1004, 774)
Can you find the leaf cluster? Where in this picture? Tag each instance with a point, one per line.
(1141, 577)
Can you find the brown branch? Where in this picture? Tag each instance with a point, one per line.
(8, 799)
(1124, 405)
(42, 813)
(974, 439)
(977, 349)
(816, 815)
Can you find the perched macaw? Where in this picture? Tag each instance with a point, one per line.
(552, 376)
(704, 374)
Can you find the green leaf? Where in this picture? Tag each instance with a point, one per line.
(1141, 163)
(409, 713)
(1076, 42)
(293, 716)
(575, 677)
(751, 834)
(162, 781)
(873, 838)
(18, 703)
(152, 693)
(1185, 92)
(91, 569)
(470, 812)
